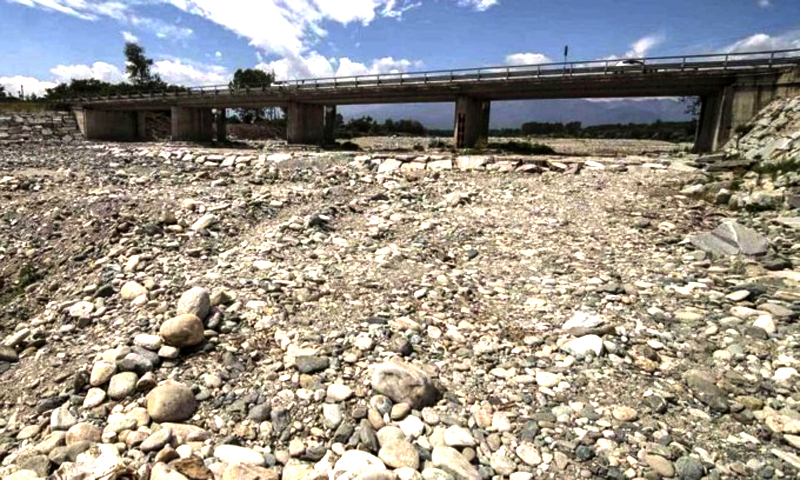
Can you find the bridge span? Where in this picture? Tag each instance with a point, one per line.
(732, 87)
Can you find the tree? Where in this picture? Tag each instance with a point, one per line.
(138, 65)
(253, 78)
(691, 106)
(2, 91)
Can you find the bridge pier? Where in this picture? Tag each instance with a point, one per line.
(193, 124)
(222, 125)
(471, 121)
(330, 125)
(305, 124)
(109, 125)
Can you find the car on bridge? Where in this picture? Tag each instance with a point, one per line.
(629, 65)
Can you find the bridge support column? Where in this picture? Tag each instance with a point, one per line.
(330, 125)
(194, 124)
(112, 126)
(471, 122)
(714, 123)
(305, 124)
(222, 125)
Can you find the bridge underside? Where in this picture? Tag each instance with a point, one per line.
(728, 99)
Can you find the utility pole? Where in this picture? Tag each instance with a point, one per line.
(566, 52)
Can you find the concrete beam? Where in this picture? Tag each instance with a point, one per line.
(305, 124)
(471, 122)
(110, 125)
(222, 125)
(192, 124)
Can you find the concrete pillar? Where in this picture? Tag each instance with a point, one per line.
(222, 125)
(330, 125)
(141, 126)
(193, 124)
(471, 122)
(109, 125)
(305, 123)
(715, 123)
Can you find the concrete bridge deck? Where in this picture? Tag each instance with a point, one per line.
(733, 87)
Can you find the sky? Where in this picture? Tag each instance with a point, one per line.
(202, 42)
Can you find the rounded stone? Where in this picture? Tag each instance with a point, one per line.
(399, 454)
(195, 301)
(122, 385)
(94, 397)
(661, 465)
(183, 331)
(171, 402)
(101, 373)
(132, 290)
(83, 432)
(234, 454)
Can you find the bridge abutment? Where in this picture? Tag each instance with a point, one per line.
(108, 125)
(194, 124)
(471, 122)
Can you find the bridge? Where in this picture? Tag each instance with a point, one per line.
(732, 87)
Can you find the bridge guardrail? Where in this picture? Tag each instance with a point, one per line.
(615, 66)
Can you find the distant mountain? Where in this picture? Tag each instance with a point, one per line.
(514, 114)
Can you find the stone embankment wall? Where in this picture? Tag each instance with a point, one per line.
(48, 127)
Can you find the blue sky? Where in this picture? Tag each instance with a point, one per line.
(201, 42)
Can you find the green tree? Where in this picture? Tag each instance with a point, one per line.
(253, 78)
(138, 65)
(2, 91)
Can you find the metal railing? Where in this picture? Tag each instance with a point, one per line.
(719, 62)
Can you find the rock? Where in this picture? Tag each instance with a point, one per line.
(705, 389)
(83, 432)
(310, 364)
(547, 379)
(661, 465)
(195, 301)
(183, 331)
(62, 418)
(585, 345)
(156, 441)
(451, 461)
(529, 454)
(766, 323)
(81, 310)
(132, 290)
(501, 463)
(404, 383)
(122, 385)
(162, 471)
(94, 397)
(689, 468)
(730, 238)
(23, 475)
(35, 463)
(354, 463)
(192, 467)
(101, 373)
(239, 471)
(398, 454)
(456, 436)
(338, 393)
(204, 222)
(582, 321)
(171, 402)
(150, 342)
(8, 354)
(624, 414)
(300, 472)
(235, 454)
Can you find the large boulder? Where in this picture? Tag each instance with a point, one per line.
(731, 238)
(171, 402)
(405, 383)
(195, 301)
(183, 331)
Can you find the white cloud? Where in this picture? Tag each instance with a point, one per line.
(640, 47)
(218, 54)
(98, 70)
(29, 85)
(190, 74)
(120, 10)
(764, 3)
(316, 65)
(527, 59)
(479, 5)
(129, 37)
(763, 42)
